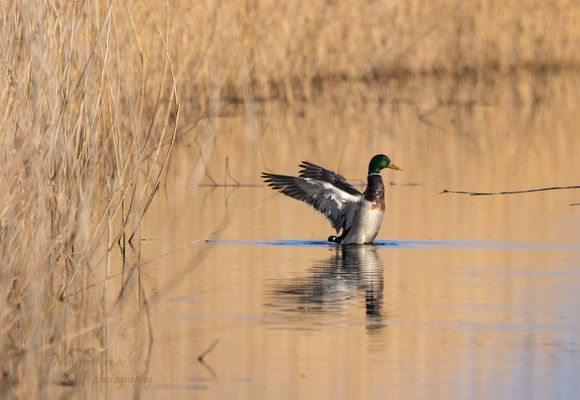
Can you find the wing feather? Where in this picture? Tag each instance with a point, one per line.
(337, 205)
(319, 173)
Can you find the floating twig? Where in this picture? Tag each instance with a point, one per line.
(228, 172)
(513, 192)
(205, 353)
(211, 179)
(575, 204)
(208, 350)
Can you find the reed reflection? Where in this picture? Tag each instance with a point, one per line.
(351, 272)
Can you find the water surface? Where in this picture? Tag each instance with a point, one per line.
(460, 297)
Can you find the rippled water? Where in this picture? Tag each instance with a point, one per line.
(460, 297)
(401, 319)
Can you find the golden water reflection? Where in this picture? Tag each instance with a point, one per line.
(372, 322)
(292, 320)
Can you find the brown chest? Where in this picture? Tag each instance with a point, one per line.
(375, 192)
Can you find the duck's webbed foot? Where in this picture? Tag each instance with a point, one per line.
(338, 239)
(333, 239)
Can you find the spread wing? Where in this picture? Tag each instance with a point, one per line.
(318, 173)
(336, 204)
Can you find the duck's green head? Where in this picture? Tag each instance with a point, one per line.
(379, 162)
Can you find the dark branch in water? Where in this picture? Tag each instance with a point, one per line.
(514, 192)
(205, 353)
(208, 350)
(575, 204)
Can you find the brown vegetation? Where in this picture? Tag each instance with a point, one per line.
(80, 132)
(91, 92)
(291, 49)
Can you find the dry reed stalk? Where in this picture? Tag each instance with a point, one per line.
(291, 50)
(75, 100)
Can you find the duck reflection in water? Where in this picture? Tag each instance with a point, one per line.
(351, 271)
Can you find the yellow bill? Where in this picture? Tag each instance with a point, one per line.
(393, 166)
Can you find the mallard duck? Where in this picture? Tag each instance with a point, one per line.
(358, 215)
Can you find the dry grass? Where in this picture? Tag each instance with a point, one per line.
(81, 129)
(89, 101)
(292, 49)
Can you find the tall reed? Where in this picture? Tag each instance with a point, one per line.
(290, 50)
(88, 108)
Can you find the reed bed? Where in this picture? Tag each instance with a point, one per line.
(84, 128)
(291, 50)
(94, 93)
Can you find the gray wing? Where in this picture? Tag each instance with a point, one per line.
(337, 205)
(314, 171)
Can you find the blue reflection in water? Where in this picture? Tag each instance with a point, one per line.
(409, 244)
